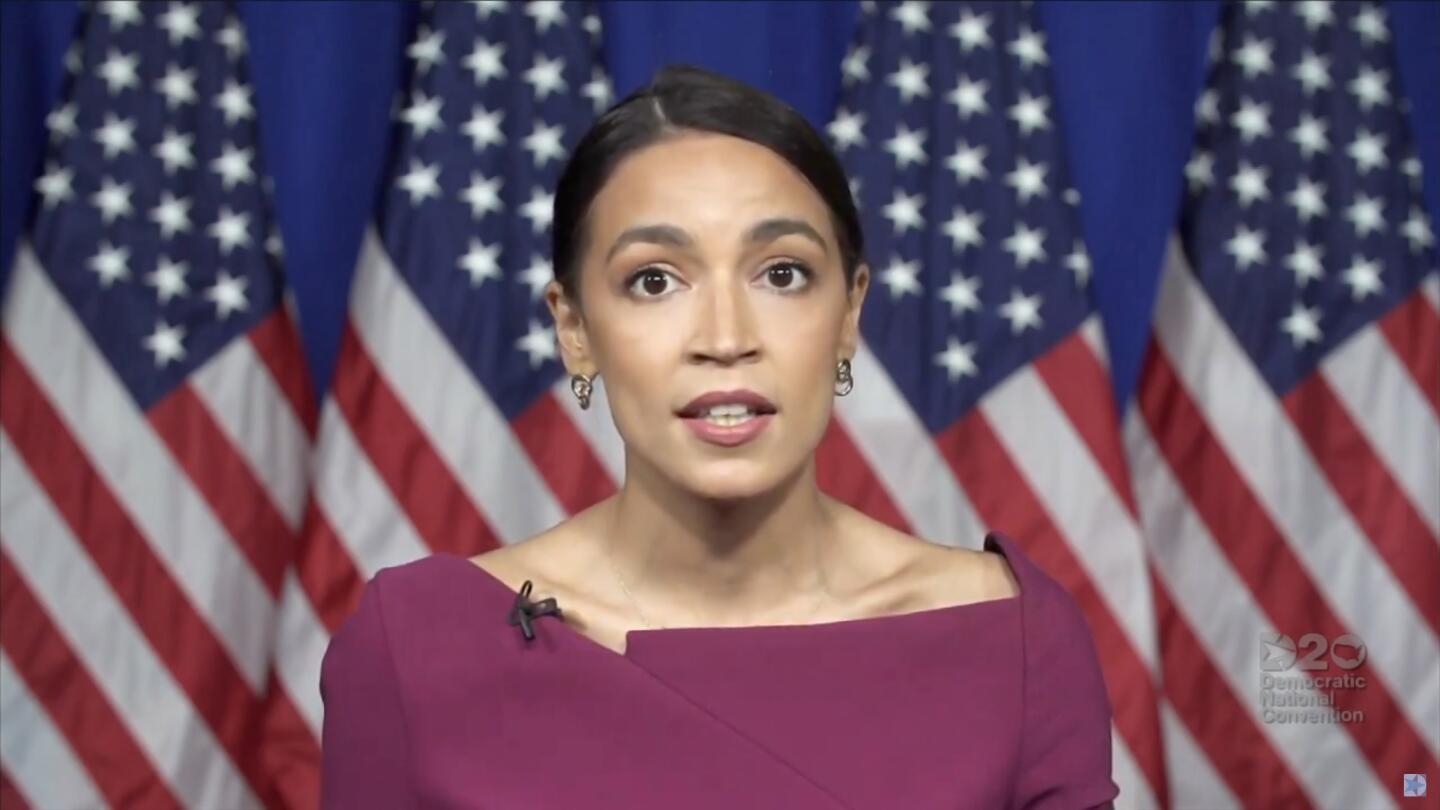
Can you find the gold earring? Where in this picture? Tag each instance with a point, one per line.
(581, 386)
(844, 382)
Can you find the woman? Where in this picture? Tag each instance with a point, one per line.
(719, 633)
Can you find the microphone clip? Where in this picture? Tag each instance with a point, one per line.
(524, 611)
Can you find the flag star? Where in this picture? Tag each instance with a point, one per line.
(1028, 179)
(122, 12)
(901, 277)
(538, 343)
(1304, 262)
(591, 24)
(545, 13)
(484, 8)
(1252, 119)
(1368, 151)
(234, 101)
(1078, 262)
(1249, 183)
(848, 129)
(1029, 113)
(968, 163)
(964, 229)
(1022, 311)
(1410, 167)
(181, 21)
(1253, 7)
(546, 76)
(172, 215)
(962, 294)
(910, 79)
(274, 245)
(1309, 135)
(969, 97)
(167, 343)
(119, 71)
(481, 262)
(855, 67)
(1308, 198)
(903, 211)
(174, 151)
(54, 185)
(958, 360)
(482, 195)
(1207, 106)
(1254, 57)
(1315, 13)
(61, 121)
(1417, 230)
(543, 143)
(228, 295)
(231, 229)
(537, 275)
(1200, 170)
(1313, 72)
(177, 86)
(1363, 276)
(907, 146)
(233, 166)
(486, 61)
(1369, 23)
(483, 128)
(1368, 87)
(1029, 48)
(113, 200)
(110, 263)
(540, 209)
(972, 30)
(1246, 246)
(1071, 197)
(232, 38)
(74, 58)
(168, 279)
(1302, 325)
(913, 16)
(1028, 245)
(1365, 215)
(598, 90)
(116, 136)
(421, 181)
(423, 114)
(428, 50)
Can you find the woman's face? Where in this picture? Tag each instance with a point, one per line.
(711, 265)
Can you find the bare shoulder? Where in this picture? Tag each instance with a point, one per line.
(922, 573)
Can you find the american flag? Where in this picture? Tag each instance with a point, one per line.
(1284, 441)
(449, 425)
(982, 396)
(153, 431)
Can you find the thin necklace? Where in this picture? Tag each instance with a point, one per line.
(822, 593)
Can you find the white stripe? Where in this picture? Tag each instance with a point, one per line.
(903, 456)
(1249, 423)
(184, 534)
(100, 632)
(1192, 778)
(462, 424)
(37, 756)
(1216, 603)
(1079, 501)
(596, 424)
(361, 509)
(300, 642)
(255, 415)
(1388, 407)
(1093, 334)
(1125, 771)
(1430, 287)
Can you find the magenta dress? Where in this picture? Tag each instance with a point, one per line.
(433, 699)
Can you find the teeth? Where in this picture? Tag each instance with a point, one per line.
(729, 420)
(728, 410)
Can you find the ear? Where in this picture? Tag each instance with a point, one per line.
(850, 329)
(570, 331)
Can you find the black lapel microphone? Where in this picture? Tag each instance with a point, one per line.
(525, 611)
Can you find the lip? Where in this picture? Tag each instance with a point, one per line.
(728, 436)
(739, 396)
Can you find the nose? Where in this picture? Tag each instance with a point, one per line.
(725, 324)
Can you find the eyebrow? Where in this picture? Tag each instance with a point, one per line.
(762, 232)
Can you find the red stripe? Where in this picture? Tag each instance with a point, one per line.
(845, 475)
(10, 796)
(1369, 491)
(278, 344)
(224, 479)
(1004, 501)
(562, 455)
(326, 570)
(1216, 717)
(1413, 330)
(73, 701)
(143, 584)
(421, 482)
(289, 752)
(1263, 559)
(1081, 388)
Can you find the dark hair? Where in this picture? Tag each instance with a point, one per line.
(681, 98)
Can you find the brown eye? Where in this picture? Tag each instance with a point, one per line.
(788, 276)
(652, 282)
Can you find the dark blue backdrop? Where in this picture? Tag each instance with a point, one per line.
(325, 73)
